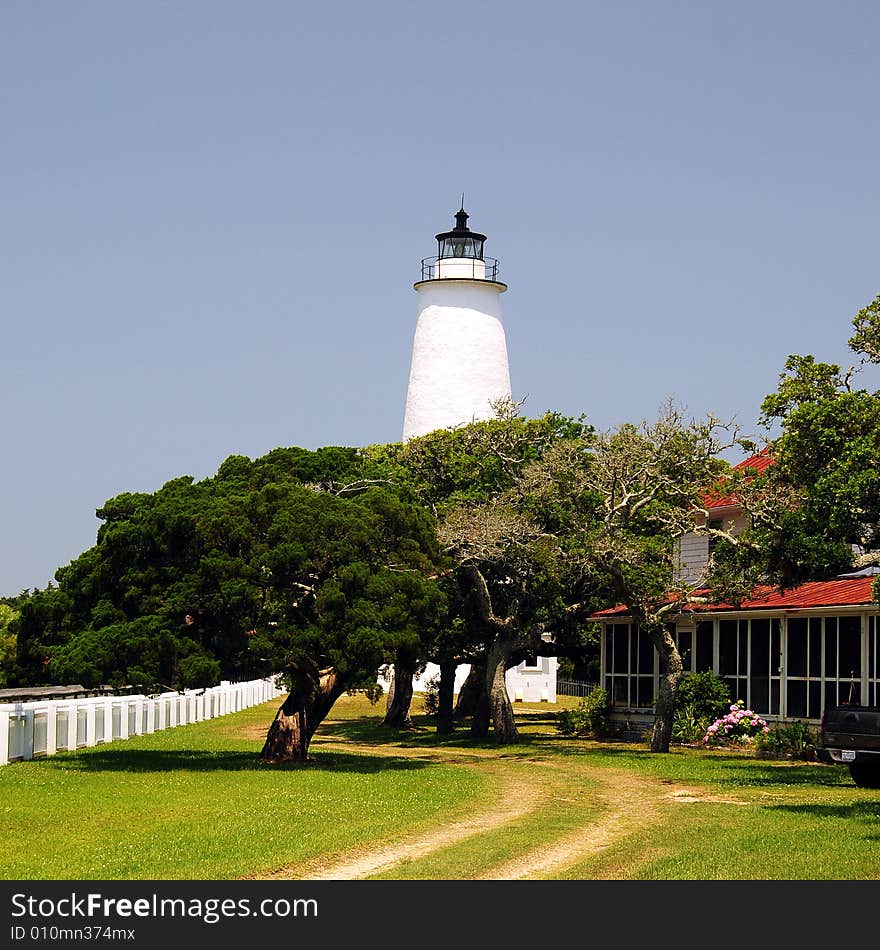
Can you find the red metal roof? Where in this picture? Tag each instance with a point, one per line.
(758, 463)
(841, 592)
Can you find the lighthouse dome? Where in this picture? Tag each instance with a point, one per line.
(460, 241)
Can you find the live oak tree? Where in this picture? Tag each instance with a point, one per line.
(505, 580)
(350, 586)
(826, 457)
(298, 563)
(8, 614)
(643, 488)
(173, 583)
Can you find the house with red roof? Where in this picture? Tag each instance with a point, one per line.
(724, 513)
(786, 654)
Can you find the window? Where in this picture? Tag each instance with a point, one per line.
(714, 524)
(629, 667)
(684, 643)
(705, 646)
(873, 666)
(823, 664)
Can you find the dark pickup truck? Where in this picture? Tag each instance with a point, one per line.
(850, 735)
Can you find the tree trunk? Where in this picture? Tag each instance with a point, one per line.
(445, 696)
(670, 674)
(481, 714)
(397, 709)
(312, 697)
(469, 694)
(503, 720)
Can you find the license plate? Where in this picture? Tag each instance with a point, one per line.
(847, 756)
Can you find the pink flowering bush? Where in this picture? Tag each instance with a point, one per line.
(739, 727)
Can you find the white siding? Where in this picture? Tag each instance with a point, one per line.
(526, 684)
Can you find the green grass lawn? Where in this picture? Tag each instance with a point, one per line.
(193, 802)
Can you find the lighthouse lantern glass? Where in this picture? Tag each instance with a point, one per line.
(464, 245)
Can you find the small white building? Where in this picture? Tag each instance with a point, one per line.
(533, 681)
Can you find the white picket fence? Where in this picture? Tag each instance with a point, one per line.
(46, 727)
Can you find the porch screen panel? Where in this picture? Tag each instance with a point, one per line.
(629, 666)
(617, 663)
(621, 647)
(733, 656)
(803, 665)
(704, 653)
(796, 648)
(873, 689)
(641, 689)
(849, 659)
(815, 638)
(684, 643)
(842, 660)
(796, 665)
(759, 693)
(775, 664)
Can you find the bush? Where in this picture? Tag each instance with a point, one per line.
(431, 701)
(739, 727)
(197, 670)
(688, 725)
(792, 740)
(588, 718)
(700, 699)
(705, 695)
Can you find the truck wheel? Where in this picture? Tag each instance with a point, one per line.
(865, 776)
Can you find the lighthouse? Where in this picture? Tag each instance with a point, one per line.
(459, 358)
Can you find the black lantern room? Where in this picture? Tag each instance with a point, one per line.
(460, 241)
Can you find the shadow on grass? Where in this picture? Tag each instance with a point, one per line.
(152, 760)
(757, 773)
(856, 811)
(424, 735)
(731, 769)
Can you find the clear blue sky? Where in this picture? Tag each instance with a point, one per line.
(212, 214)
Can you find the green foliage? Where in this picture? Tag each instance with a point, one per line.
(790, 740)
(505, 529)
(372, 691)
(700, 699)
(866, 339)
(826, 458)
(8, 641)
(431, 700)
(473, 463)
(688, 726)
(198, 670)
(588, 718)
(707, 694)
(295, 556)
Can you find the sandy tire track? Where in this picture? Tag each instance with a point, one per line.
(517, 799)
(630, 802)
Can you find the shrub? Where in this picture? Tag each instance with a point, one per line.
(688, 725)
(588, 718)
(198, 670)
(706, 695)
(431, 701)
(792, 740)
(739, 727)
(700, 699)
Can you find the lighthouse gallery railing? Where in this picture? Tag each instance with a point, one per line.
(481, 268)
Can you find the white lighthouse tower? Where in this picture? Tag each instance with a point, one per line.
(459, 360)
